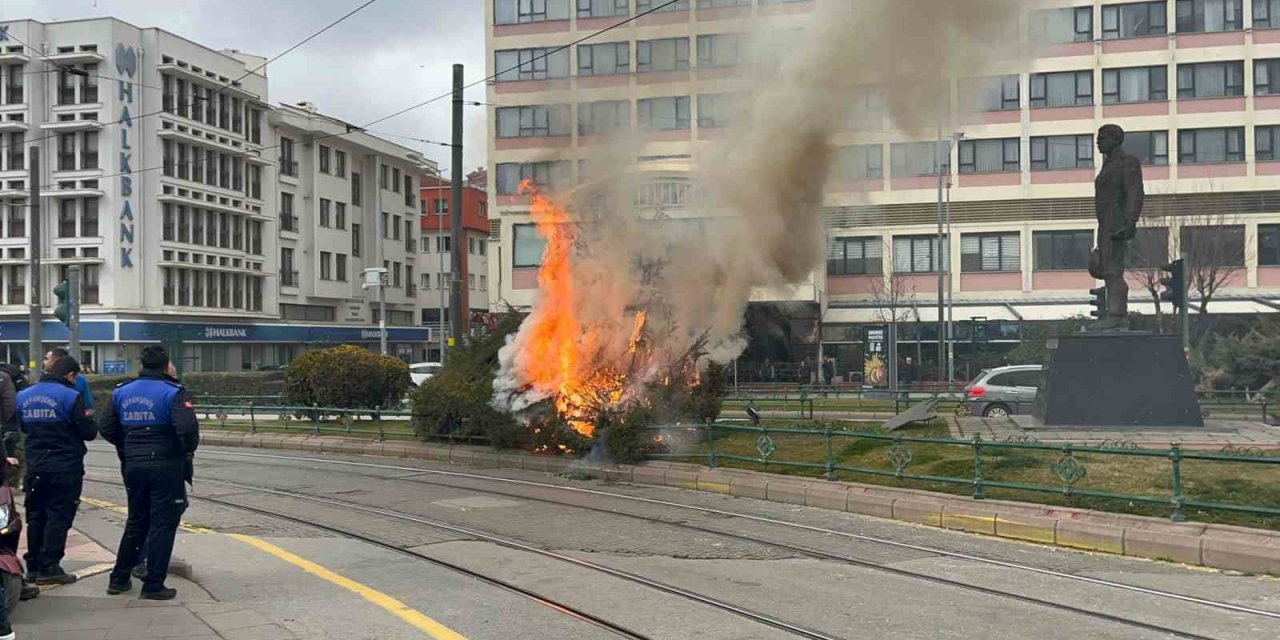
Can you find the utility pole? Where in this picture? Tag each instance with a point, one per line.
(73, 282)
(455, 215)
(1184, 320)
(379, 235)
(937, 262)
(34, 348)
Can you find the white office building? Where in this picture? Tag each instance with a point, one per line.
(194, 222)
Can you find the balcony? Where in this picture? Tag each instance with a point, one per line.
(288, 278)
(411, 290)
(289, 222)
(289, 168)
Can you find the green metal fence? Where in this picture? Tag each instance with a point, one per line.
(1067, 467)
(316, 420)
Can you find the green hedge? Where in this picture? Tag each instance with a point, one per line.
(346, 377)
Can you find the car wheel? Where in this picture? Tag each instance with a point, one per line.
(996, 411)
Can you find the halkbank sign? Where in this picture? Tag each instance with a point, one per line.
(127, 67)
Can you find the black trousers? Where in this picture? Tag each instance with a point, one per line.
(157, 499)
(51, 501)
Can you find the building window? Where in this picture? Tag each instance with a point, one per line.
(719, 50)
(1137, 20)
(855, 257)
(355, 240)
(355, 189)
(288, 274)
(1062, 26)
(309, 312)
(1267, 143)
(288, 221)
(340, 215)
(326, 207)
(526, 246)
(16, 152)
(610, 58)
(66, 86)
(13, 85)
(1149, 147)
(990, 156)
(668, 54)
(1062, 250)
(1218, 246)
(1209, 146)
(1210, 79)
(917, 254)
(340, 163)
(546, 175)
(663, 114)
(524, 11)
(603, 8)
(67, 152)
(1266, 76)
(1063, 89)
(324, 159)
(716, 109)
(288, 166)
(441, 206)
(531, 64)
(395, 179)
(1138, 84)
(1269, 245)
(660, 6)
(992, 93)
(533, 121)
(1208, 16)
(719, 4)
(990, 252)
(89, 218)
(1150, 248)
(1266, 14)
(604, 117)
(914, 159)
(89, 150)
(326, 265)
(859, 162)
(1050, 153)
(395, 227)
(484, 283)
(409, 191)
(67, 218)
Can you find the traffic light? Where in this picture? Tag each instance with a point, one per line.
(63, 311)
(1175, 285)
(1099, 302)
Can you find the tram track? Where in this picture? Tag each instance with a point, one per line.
(502, 541)
(798, 549)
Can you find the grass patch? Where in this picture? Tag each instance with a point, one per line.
(1228, 483)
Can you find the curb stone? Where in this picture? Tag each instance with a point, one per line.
(1255, 551)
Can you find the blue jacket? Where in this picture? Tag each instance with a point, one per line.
(82, 385)
(57, 423)
(151, 417)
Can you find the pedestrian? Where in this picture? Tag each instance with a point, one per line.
(829, 371)
(768, 372)
(82, 383)
(909, 372)
(56, 422)
(10, 432)
(151, 420)
(804, 376)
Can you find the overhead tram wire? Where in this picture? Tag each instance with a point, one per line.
(219, 90)
(361, 129)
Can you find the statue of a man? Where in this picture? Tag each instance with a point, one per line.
(1118, 198)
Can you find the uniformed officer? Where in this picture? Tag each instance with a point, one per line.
(151, 420)
(56, 422)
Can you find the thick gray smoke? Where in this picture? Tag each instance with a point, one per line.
(757, 218)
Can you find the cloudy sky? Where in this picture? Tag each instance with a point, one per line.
(392, 54)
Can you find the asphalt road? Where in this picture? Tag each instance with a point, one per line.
(759, 567)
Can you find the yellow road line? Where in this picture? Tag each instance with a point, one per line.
(393, 606)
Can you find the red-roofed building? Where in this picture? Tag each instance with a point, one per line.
(434, 254)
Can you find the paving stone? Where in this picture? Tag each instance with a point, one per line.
(786, 492)
(869, 504)
(1094, 536)
(918, 511)
(827, 496)
(1163, 545)
(231, 620)
(261, 632)
(750, 486)
(972, 518)
(1241, 553)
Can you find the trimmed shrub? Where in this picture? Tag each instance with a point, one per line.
(456, 401)
(346, 377)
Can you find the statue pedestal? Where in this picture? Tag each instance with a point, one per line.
(1118, 379)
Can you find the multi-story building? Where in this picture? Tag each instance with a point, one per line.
(435, 254)
(1194, 82)
(159, 177)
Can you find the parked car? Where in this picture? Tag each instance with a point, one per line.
(422, 371)
(1003, 391)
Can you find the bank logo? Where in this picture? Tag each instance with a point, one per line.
(225, 332)
(127, 66)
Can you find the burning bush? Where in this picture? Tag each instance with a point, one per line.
(346, 377)
(457, 400)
